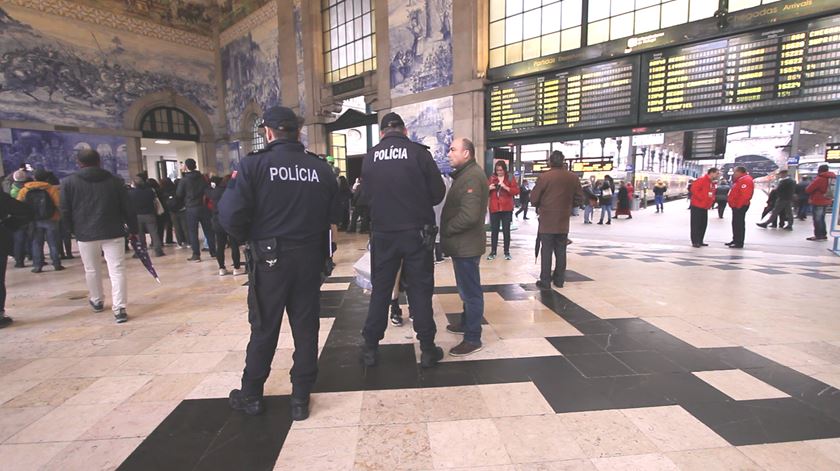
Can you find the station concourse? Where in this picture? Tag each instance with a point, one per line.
(654, 354)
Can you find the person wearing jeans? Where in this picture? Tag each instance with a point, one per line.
(606, 199)
(463, 238)
(191, 190)
(143, 201)
(820, 200)
(97, 209)
(45, 226)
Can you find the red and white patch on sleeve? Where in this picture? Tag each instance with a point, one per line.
(469, 190)
(233, 175)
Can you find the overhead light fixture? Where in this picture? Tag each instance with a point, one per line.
(162, 141)
(142, 148)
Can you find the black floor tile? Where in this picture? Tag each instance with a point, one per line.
(594, 326)
(726, 267)
(648, 362)
(575, 345)
(694, 359)
(685, 388)
(573, 394)
(618, 343)
(633, 324)
(764, 421)
(820, 276)
(456, 319)
(454, 373)
(739, 357)
(686, 264)
(181, 440)
(625, 392)
(597, 365)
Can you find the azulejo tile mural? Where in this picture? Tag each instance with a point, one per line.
(431, 124)
(251, 70)
(78, 74)
(56, 151)
(420, 34)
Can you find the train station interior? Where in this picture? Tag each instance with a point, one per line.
(654, 354)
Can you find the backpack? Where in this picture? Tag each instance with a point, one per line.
(831, 183)
(174, 204)
(41, 203)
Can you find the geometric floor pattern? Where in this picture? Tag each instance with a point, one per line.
(584, 405)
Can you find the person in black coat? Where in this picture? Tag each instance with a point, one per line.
(721, 196)
(783, 207)
(218, 185)
(13, 215)
(345, 195)
(802, 198)
(524, 195)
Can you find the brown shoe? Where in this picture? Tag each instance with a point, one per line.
(464, 348)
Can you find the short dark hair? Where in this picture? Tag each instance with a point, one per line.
(138, 181)
(712, 170)
(190, 163)
(741, 169)
(822, 168)
(469, 146)
(88, 158)
(41, 175)
(291, 134)
(556, 159)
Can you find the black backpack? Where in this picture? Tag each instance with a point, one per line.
(42, 205)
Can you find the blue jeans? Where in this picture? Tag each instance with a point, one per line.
(468, 279)
(42, 230)
(606, 209)
(587, 213)
(819, 221)
(21, 237)
(659, 199)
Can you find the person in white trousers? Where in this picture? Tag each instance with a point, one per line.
(95, 205)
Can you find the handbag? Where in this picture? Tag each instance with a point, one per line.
(158, 207)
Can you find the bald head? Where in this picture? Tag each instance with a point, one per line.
(461, 152)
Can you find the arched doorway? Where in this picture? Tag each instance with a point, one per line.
(167, 116)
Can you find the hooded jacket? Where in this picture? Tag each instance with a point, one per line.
(818, 187)
(741, 192)
(191, 189)
(95, 205)
(51, 190)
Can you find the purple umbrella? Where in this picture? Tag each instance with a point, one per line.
(143, 255)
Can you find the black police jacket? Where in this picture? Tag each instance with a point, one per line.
(281, 191)
(403, 184)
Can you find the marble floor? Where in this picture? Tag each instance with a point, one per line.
(654, 355)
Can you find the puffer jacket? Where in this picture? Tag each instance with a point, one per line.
(462, 219)
(817, 189)
(51, 190)
(191, 189)
(95, 205)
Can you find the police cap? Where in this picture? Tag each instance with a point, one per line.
(391, 120)
(280, 118)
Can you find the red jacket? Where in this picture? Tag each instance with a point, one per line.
(741, 193)
(502, 200)
(817, 189)
(703, 192)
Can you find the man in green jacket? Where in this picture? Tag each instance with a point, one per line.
(463, 238)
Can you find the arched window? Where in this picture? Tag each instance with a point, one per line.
(169, 123)
(257, 134)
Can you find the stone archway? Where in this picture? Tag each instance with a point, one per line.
(243, 134)
(133, 116)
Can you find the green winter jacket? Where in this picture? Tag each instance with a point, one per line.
(462, 219)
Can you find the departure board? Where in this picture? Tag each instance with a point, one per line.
(583, 97)
(789, 66)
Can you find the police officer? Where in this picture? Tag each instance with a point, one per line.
(283, 201)
(403, 184)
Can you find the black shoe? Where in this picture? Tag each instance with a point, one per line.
(430, 358)
(558, 282)
(396, 314)
(464, 348)
(370, 355)
(5, 321)
(789, 227)
(600, 222)
(248, 405)
(455, 329)
(97, 307)
(19, 265)
(194, 259)
(696, 246)
(704, 245)
(543, 284)
(37, 270)
(525, 218)
(609, 222)
(733, 246)
(121, 316)
(300, 408)
(729, 243)
(815, 238)
(763, 225)
(58, 268)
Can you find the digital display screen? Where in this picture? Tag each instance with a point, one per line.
(592, 166)
(584, 97)
(832, 153)
(788, 66)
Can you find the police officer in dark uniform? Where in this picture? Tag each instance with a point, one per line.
(283, 201)
(403, 184)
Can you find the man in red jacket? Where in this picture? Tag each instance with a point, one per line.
(702, 199)
(820, 198)
(739, 200)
